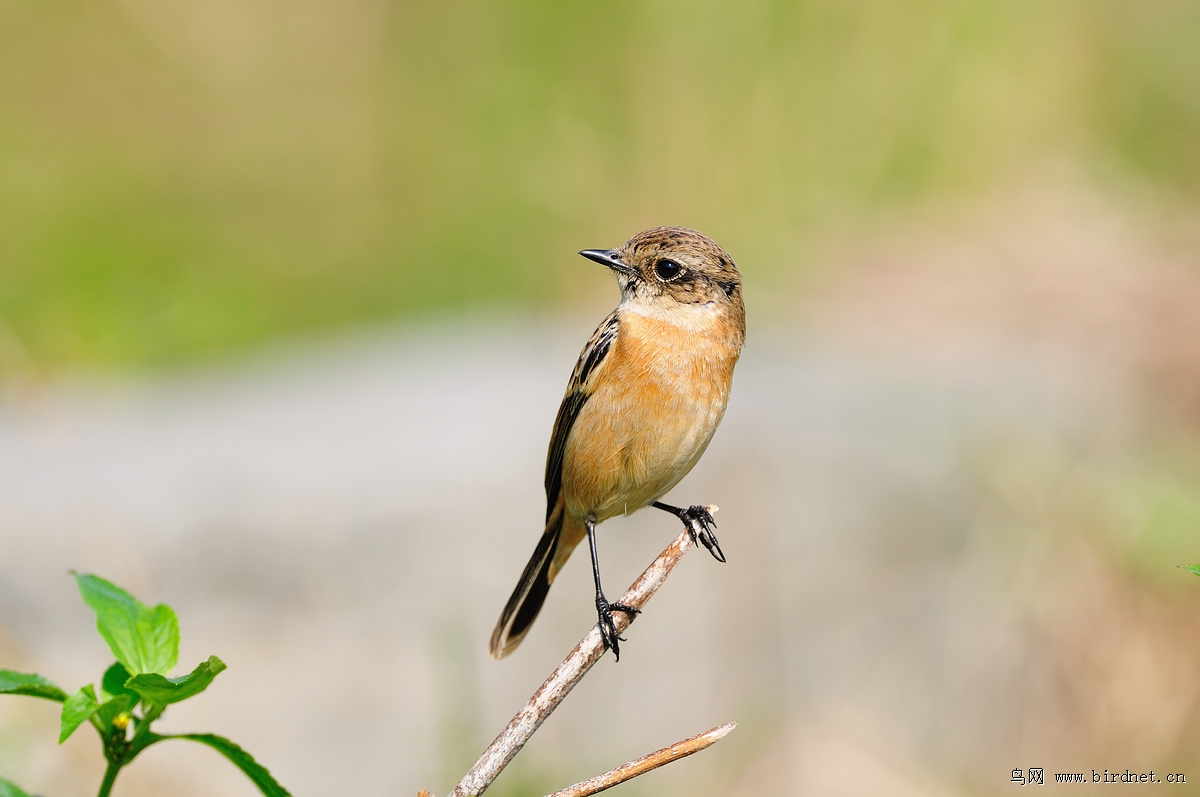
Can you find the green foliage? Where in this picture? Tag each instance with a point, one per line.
(114, 712)
(1195, 568)
(146, 643)
(244, 761)
(144, 640)
(31, 684)
(113, 682)
(170, 191)
(10, 789)
(77, 709)
(154, 688)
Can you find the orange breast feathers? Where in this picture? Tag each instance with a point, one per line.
(653, 406)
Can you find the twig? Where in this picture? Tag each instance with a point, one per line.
(646, 763)
(570, 672)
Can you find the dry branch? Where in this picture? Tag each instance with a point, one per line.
(570, 672)
(646, 763)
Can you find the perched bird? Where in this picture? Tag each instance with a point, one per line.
(643, 402)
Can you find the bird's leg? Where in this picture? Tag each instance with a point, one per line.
(604, 609)
(700, 524)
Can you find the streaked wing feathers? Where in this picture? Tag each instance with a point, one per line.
(590, 359)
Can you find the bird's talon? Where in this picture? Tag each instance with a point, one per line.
(608, 628)
(710, 542)
(700, 524)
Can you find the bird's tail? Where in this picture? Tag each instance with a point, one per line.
(527, 599)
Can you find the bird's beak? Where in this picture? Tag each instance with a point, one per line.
(610, 258)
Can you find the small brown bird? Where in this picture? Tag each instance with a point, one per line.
(643, 402)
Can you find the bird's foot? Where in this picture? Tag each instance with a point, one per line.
(628, 611)
(608, 627)
(700, 524)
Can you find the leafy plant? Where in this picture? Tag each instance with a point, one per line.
(135, 690)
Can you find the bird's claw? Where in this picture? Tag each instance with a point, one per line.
(608, 627)
(628, 611)
(700, 524)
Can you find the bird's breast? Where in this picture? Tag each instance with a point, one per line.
(651, 413)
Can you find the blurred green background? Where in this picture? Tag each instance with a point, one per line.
(959, 469)
(180, 179)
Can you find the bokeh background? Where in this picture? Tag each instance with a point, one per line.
(288, 296)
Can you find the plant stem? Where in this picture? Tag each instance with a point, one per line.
(646, 763)
(110, 777)
(570, 672)
(149, 714)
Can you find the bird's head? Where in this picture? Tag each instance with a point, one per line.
(678, 275)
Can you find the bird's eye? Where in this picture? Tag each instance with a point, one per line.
(667, 269)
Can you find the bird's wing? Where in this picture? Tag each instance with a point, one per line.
(591, 359)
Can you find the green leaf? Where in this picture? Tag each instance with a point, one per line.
(80, 706)
(111, 709)
(31, 684)
(155, 688)
(244, 761)
(114, 680)
(10, 789)
(143, 639)
(1192, 568)
(77, 708)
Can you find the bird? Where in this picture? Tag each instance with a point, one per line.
(645, 397)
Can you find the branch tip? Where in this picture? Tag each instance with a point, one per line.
(644, 764)
(570, 672)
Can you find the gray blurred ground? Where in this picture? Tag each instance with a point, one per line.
(954, 479)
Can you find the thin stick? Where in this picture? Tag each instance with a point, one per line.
(570, 672)
(646, 763)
